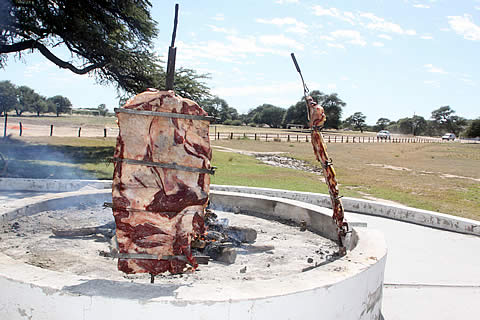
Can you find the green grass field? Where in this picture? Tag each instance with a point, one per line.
(438, 177)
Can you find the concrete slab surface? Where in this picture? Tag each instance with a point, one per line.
(430, 273)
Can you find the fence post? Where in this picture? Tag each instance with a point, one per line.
(335, 139)
(297, 137)
(342, 139)
(266, 137)
(328, 139)
(347, 139)
(51, 130)
(5, 127)
(244, 135)
(218, 135)
(21, 129)
(104, 132)
(255, 136)
(306, 138)
(79, 131)
(231, 135)
(288, 138)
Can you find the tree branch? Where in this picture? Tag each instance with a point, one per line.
(32, 44)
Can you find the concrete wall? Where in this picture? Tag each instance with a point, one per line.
(397, 212)
(348, 288)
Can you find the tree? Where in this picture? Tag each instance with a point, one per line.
(8, 97)
(26, 96)
(102, 109)
(419, 125)
(218, 108)
(296, 114)
(382, 123)
(473, 129)
(267, 114)
(39, 104)
(60, 104)
(357, 120)
(331, 104)
(445, 119)
(111, 40)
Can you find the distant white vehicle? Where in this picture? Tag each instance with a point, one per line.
(383, 134)
(449, 136)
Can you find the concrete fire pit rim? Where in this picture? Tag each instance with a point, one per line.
(369, 251)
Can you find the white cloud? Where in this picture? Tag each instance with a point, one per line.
(385, 36)
(378, 44)
(352, 36)
(296, 26)
(426, 37)
(477, 7)
(431, 68)
(222, 30)
(286, 1)
(334, 12)
(271, 89)
(327, 38)
(235, 49)
(468, 81)
(382, 25)
(421, 6)
(465, 27)
(219, 17)
(336, 45)
(280, 40)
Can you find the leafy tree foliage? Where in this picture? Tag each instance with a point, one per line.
(415, 125)
(60, 104)
(382, 124)
(445, 119)
(40, 104)
(266, 114)
(357, 121)
(25, 98)
(473, 129)
(8, 98)
(331, 103)
(218, 108)
(102, 109)
(110, 39)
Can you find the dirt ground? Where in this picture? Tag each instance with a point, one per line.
(279, 250)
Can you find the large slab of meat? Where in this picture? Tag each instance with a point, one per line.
(158, 210)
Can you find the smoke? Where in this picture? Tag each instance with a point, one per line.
(24, 160)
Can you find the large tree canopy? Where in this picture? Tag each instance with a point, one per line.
(331, 103)
(356, 120)
(109, 39)
(445, 119)
(8, 98)
(266, 114)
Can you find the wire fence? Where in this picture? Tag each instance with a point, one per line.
(89, 131)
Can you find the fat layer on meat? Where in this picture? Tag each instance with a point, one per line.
(158, 210)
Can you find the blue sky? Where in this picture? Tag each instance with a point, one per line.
(388, 59)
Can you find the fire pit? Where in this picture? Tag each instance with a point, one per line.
(286, 273)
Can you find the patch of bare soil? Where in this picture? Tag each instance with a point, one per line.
(279, 250)
(439, 174)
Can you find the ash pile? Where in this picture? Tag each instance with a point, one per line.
(220, 240)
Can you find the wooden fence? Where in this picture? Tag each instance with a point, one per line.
(266, 136)
(305, 137)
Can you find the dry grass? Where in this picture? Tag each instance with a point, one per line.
(437, 177)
